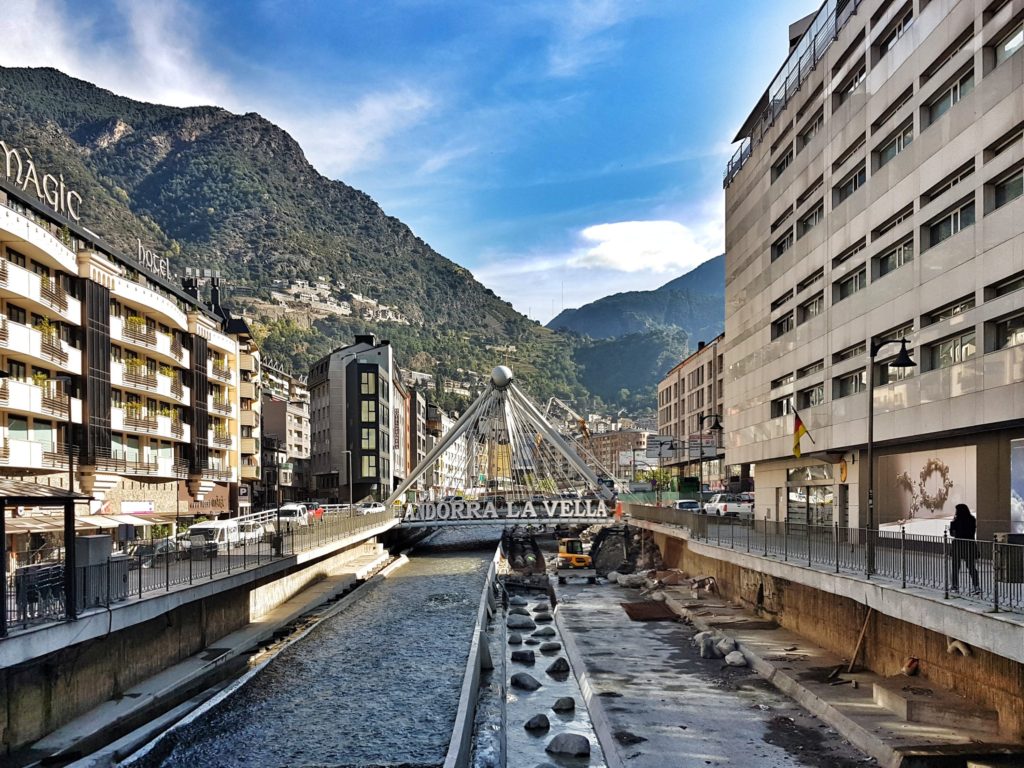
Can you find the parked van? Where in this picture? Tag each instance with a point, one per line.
(222, 533)
(250, 531)
(293, 514)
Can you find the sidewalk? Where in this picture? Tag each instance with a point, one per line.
(165, 689)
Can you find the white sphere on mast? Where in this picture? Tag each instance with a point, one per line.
(501, 377)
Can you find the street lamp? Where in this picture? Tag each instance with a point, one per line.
(348, 456)
(716, 426)
(903, 360)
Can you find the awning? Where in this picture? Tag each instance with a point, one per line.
(98, 521)
(15, 525)
(157, 518)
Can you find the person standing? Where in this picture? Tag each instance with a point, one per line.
(963, 530)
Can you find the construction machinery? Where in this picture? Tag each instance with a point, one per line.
(573, 561)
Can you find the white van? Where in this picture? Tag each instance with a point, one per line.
(250, 531)
(292, 514)
(223, 533)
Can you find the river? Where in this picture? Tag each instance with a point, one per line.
(376, 684)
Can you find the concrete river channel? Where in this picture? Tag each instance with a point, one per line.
(376, 684)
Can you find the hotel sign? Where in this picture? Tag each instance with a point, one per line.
(148, 259)
(20, 170)
(554, 510)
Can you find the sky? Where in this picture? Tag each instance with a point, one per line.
(561, 150)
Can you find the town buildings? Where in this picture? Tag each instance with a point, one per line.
(286, 436)
(877, 196)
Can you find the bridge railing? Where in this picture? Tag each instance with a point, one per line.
(991, 572)
(36, 587)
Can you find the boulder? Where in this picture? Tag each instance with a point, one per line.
(558, 667)
(550, 647)
(515, 639)
(524, 657)
(537, 723)
(518, 611)
(532, 641)
(699, 637)
(520, 622)
(524, 682)
(543, 607)
(564, 704)
(726, 646)
(632, 581)
(543, 618)
(570, 745)
(735, 659)
(518, 600)
(708, 649)
(613, 577)
(545, 632)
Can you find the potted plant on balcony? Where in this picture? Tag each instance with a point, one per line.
(47, 328)
(135, 323)
(132, 408)
(40, 379)
(167, 370)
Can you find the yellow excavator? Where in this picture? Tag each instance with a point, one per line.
(573, 562)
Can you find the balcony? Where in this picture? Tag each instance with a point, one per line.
(250, 445)
(22, 340)
(248, 363)
(249, 419)
(146, 465)
(34, 240)
(133, 293)
(45, 293)
(218, 369)
(247, 390)
(220, 406)
(137, 334)
(221, 439)
(48, 398)
(137, 419)
(140, 378)
(250, 472)
(220, 474)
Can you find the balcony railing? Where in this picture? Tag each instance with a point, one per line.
(3, 272)
(120, 463)
(176, 348)
(50, 345)
(177, 428)
(218, 474)
(221, 405)
(140, 421)
(53, 293)
(5, 334)
(55, 400)
(222, 438)
(220, 370)
(138, 332)
(140, 376)
(177, 389)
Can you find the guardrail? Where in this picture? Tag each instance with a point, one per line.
(988, 571)
(36, 590)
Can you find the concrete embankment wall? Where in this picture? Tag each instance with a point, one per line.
(834, 622)
(39, 696)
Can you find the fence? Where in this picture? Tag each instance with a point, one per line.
(989, 571)
(36, 589)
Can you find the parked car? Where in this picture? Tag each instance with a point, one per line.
(729, 505)
(371, 508)
(150, 553)
(688, 505)
(293, 514)
(222, 534)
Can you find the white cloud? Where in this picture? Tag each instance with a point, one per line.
(581, 33)
(642, 246)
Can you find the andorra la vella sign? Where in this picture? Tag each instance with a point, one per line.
(554, 510)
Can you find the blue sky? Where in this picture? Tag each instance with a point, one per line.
(561, 150)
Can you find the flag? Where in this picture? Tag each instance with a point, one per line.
(799, 430)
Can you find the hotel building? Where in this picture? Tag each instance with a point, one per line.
(877, 195)
(103, 351)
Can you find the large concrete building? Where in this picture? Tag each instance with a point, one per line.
(876, 195)
(286, 436)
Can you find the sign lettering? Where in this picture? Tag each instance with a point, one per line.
(51, 190)
(528, 511)
(149, 260)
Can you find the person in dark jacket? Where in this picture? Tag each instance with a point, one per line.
(963, 530)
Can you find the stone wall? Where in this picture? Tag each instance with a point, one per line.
(834, 622)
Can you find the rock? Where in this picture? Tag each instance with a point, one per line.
(699, 637)
(726, 646)
(537, 723)
(632, 581)
(613, 577)
(558, 667)
(543, 618)
(525, 657)
(518, 600)
(570, 744)
(520, 622)
(550, 647)
(564, 704)
(515, 639)
(708, 650)
(735, 659)
(524, 682)
(532, 641)
(545, 632)
(518, 611)
(543, 607)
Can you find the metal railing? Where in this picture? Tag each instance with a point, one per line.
(35, 586)
(987, 571)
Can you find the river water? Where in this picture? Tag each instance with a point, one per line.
(376, 684)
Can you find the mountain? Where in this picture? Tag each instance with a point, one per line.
(205, 187)
(693, 303)
(644, 332)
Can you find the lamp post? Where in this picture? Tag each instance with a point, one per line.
(716, 426)
(348, 456)
(903, 360)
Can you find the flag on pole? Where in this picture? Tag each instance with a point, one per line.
(799, 430)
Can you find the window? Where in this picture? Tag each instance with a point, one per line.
(901, 101)
(16, 314)
(848, 153)
(369, 411)
(369, 466)
(896, 257)
(947, 55)
(809, 192)
(889, 38)
(849, 353)
(810, 280)
(810, 219)
(782, 164)
(1008, 188)
(811, 308)
(888, 374)
(948, 96)
(1010, 43)
(367, 383)
(779, 302)
(948, 182)
(850, 284)
(896, 143)
(850, 384)
(811, 369)
(783, 244)
(846, 253)
(892, 222)
(782, 326)
(806, 398)
(950, 223)
(368, 439)
(850, 84)
(782, 219)
(782, 381)
(814, 125)
(950, 310)
(951, 351)
(782, 407)
(850, 184)
(1004, 142)
(1010, 332)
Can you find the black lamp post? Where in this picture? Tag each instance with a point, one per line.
(903, 360)
(716, 427)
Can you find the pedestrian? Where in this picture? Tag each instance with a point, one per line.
(963, 530)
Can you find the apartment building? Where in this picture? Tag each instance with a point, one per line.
(351, 397)
(689, 397)
(621, 451)
(455, 470)
(876, 195)
(102, 351)
(285, 435)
